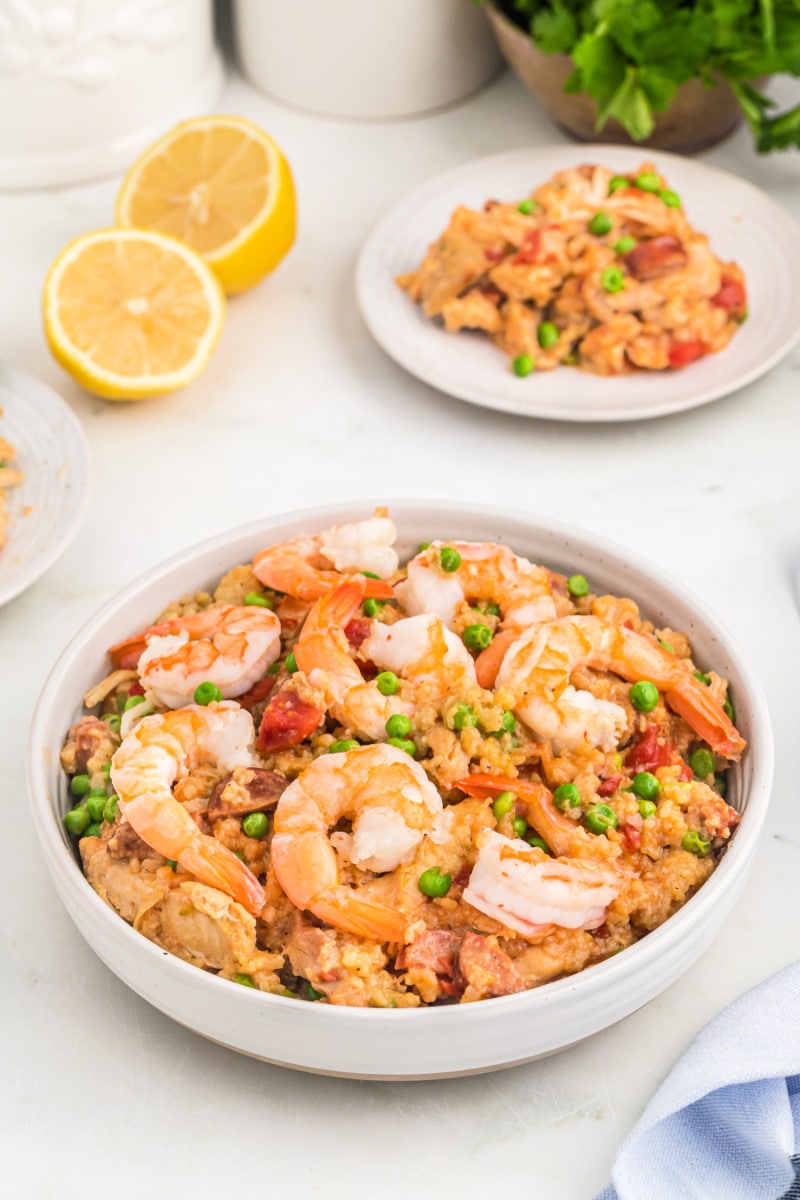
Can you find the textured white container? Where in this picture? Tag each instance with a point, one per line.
(86, 84)
(403, 1043)
(365, 58)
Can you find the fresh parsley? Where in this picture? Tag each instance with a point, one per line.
(631, 56)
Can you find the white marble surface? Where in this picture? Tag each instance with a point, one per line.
(101, 1094)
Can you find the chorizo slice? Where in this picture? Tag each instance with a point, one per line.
(246, 790)
(488, 969)
(655, 257)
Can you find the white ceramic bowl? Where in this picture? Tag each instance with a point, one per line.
(407, 1043)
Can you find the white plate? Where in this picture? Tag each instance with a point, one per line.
(46, 510)
(741, 221)
(404, 1043)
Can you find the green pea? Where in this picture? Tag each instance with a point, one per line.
(569, 360)
(111, 808)
(171, 863)
(647, 809)
(670, 198)
(508, 723)
(703, 678)
(403, 744)
(616, 182)
(449, 559)
(522, 365)
(464, 718)
(423, 546)
(600, 224)
(503, 804)
(600, 818)
(644, 696)
(106, 768)
(492, 608)
(645, 786)
(727, 708)
(613, 280)
(702, 763)
(259, 600)
(112, 720)
(244, 980)
(77, 820)
(207, 693)
(370, 575)
(665, 645)
(624, 245)
(578, 585)
(95, 805)
(398, 725)
(721, 784)
(566, 796)
(132, 702)
(93, 830)
(313, 994)
(526, 206)
(434, 883)
(520, 825)
(255, 824)
(79, 785)
(547, 334)
(388, 683)
(477, 637)
(274, 669)
(692, 842)
(648, 181)
(533, 839)
(290, 662)
(372, 607)
(343, 746)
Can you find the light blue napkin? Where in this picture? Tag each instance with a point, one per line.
(725, 1123)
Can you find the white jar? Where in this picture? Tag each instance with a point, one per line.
(86, 84)
(365, 58)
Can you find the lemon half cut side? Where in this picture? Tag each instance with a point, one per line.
(221, 185)
(131, 313)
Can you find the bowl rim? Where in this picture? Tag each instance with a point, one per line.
(657, 942)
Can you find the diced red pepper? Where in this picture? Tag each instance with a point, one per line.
(357, 631)
(683, 353)
(287, 721)
(529, 250)
(493, 255)
(609, 786)
(136, 689)
(631, 838)
(731, 295)
(649, 753)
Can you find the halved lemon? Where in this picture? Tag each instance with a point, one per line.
(221, 185)
(131, 313)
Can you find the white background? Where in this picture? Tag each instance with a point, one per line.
(102, 1095)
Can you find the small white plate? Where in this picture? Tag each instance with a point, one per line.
(742, 223)
(47, 508)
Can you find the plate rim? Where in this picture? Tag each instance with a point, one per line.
(27, 385)
(549, 410)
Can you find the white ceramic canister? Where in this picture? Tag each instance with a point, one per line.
(86, 84)
(365, 58)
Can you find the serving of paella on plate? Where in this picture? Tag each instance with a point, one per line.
(355, 782)
(593, 269)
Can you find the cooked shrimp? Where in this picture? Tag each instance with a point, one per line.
(538, 666)
(487, 572)
(164, 748)
(230, 646)
(308, 567)
(391, 803)
(527, 891)
(420, 649)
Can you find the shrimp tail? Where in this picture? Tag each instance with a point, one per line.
(378, 589)
(693, 702)
(218, 867)
(563, 836)
(489, 661)
(126, 654)
(342, 907)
